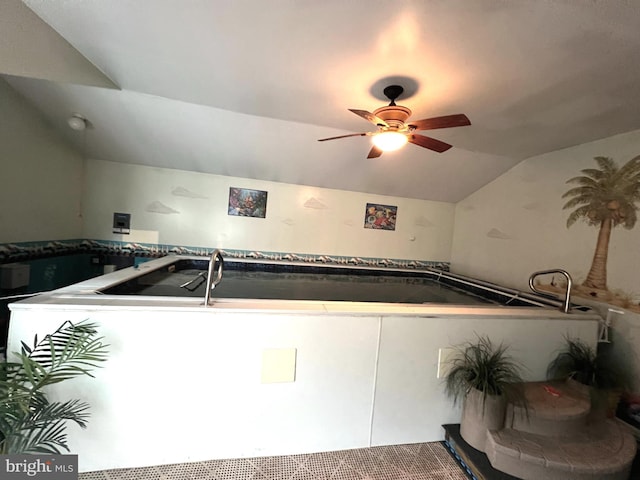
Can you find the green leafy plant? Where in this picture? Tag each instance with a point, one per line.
(585, 365)
(29, 422)
(483, 366)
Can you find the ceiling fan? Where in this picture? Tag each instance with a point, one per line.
(394, 131)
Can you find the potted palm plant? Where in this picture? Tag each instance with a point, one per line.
(29, 422)
(596, 369)
(485, 379)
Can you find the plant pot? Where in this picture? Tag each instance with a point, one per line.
(613, 399)
(604, 403)
(478, 419)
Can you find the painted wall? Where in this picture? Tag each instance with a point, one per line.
(41, 176)
(190, 209)
(516, 225)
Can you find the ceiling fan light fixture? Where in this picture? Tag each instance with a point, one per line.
(390, 141)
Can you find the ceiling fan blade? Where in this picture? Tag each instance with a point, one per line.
(344, 136)
(370, 117)
(428, 142)
(375, 152)
(459, 120)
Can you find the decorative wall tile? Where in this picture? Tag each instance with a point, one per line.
(15, 252)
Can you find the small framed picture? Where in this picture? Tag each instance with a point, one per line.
(244, 202)
(380, 217)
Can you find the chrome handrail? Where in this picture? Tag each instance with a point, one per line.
(510, 293)
(566, 307)
(211, 281)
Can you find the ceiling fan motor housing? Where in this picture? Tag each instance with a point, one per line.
(394, 115)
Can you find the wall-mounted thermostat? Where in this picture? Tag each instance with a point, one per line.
(122, 223)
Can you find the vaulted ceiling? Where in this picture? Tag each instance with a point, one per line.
(246, 87)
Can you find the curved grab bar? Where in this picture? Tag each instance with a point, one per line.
(566, 307)
(211, 281)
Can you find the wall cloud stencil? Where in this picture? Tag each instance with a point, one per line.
(495, 233)
(183, 192)
(159, 207)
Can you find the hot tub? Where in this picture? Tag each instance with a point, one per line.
(249, 376)
(180, 276)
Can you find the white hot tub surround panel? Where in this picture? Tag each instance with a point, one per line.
(410, 404)
(183, 382)
(187, 387)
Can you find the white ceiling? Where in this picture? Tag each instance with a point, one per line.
(245, 87)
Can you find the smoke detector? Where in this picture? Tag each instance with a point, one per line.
(77, 122)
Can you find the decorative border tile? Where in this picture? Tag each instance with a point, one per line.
(14, 252)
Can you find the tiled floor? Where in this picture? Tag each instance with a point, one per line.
(423, 461)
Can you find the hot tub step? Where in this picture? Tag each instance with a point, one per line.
(554, 408)
(603, 452)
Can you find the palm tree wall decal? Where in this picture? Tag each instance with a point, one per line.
(606, 197)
